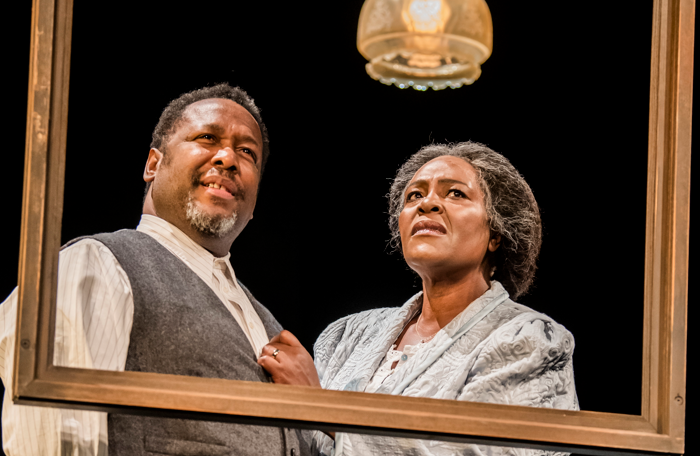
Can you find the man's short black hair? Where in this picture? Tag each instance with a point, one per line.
(172, 114)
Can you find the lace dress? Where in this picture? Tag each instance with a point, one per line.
(391, 357)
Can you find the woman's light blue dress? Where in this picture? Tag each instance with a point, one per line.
(494, 351)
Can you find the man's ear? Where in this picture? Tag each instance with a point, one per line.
(494, 243)
(155, 157)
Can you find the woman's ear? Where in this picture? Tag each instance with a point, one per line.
(152, 164)
(494, 242)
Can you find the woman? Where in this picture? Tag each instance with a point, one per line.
(469, 226)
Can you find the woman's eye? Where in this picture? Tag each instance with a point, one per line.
(208, 137)
(457, 193)
(413, 195)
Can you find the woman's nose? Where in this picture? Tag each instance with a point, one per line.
(430, 204)
(225, 158)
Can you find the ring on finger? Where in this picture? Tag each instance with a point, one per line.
(275, 353)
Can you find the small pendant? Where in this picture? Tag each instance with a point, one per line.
(404, 357)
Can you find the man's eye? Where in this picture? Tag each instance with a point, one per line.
(208, 137)
(457, 193)
(250, 152)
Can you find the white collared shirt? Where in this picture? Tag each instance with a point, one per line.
(95, 311)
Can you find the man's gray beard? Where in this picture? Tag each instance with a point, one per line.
(210, 225)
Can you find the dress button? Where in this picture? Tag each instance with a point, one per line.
(251, 325)
(404, 357)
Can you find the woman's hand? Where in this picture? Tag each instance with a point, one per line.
(292, 364)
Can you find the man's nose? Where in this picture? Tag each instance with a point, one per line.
(225, 158)
(431, 203)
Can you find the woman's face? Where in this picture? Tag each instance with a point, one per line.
(444, 227)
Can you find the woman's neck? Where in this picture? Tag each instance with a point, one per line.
(444, 299)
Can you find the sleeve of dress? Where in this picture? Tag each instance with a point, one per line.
(326, 345)
(324, 349)
(93, 322)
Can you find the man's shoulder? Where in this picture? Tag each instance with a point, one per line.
(84, 246)
(132, 249)
(121, 236)
(89, 256)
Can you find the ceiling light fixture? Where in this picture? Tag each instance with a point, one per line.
(425, 43)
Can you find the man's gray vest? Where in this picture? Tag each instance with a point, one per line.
(181, 327)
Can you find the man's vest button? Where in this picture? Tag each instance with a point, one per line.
(294, 452)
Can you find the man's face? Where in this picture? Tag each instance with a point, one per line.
(208, 177)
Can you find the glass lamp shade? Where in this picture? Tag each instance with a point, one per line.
(425, 43)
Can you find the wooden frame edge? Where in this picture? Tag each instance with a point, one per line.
(668, 208)
(42, 203)
(224, 400)
(660, 429)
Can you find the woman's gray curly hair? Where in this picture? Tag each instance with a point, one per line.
(510, 205)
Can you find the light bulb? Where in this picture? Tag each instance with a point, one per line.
(427, 16)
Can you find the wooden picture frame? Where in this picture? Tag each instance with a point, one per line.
(659, 428)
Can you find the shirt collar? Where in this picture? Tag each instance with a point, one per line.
(179, 244)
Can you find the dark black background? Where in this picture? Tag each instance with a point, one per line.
(564, 96)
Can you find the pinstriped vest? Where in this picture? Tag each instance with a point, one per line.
(181, 327)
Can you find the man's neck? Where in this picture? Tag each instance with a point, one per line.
(217, 246)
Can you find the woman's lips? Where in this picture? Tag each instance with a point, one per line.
(428, 227)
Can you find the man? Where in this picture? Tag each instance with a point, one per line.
(163, 298)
